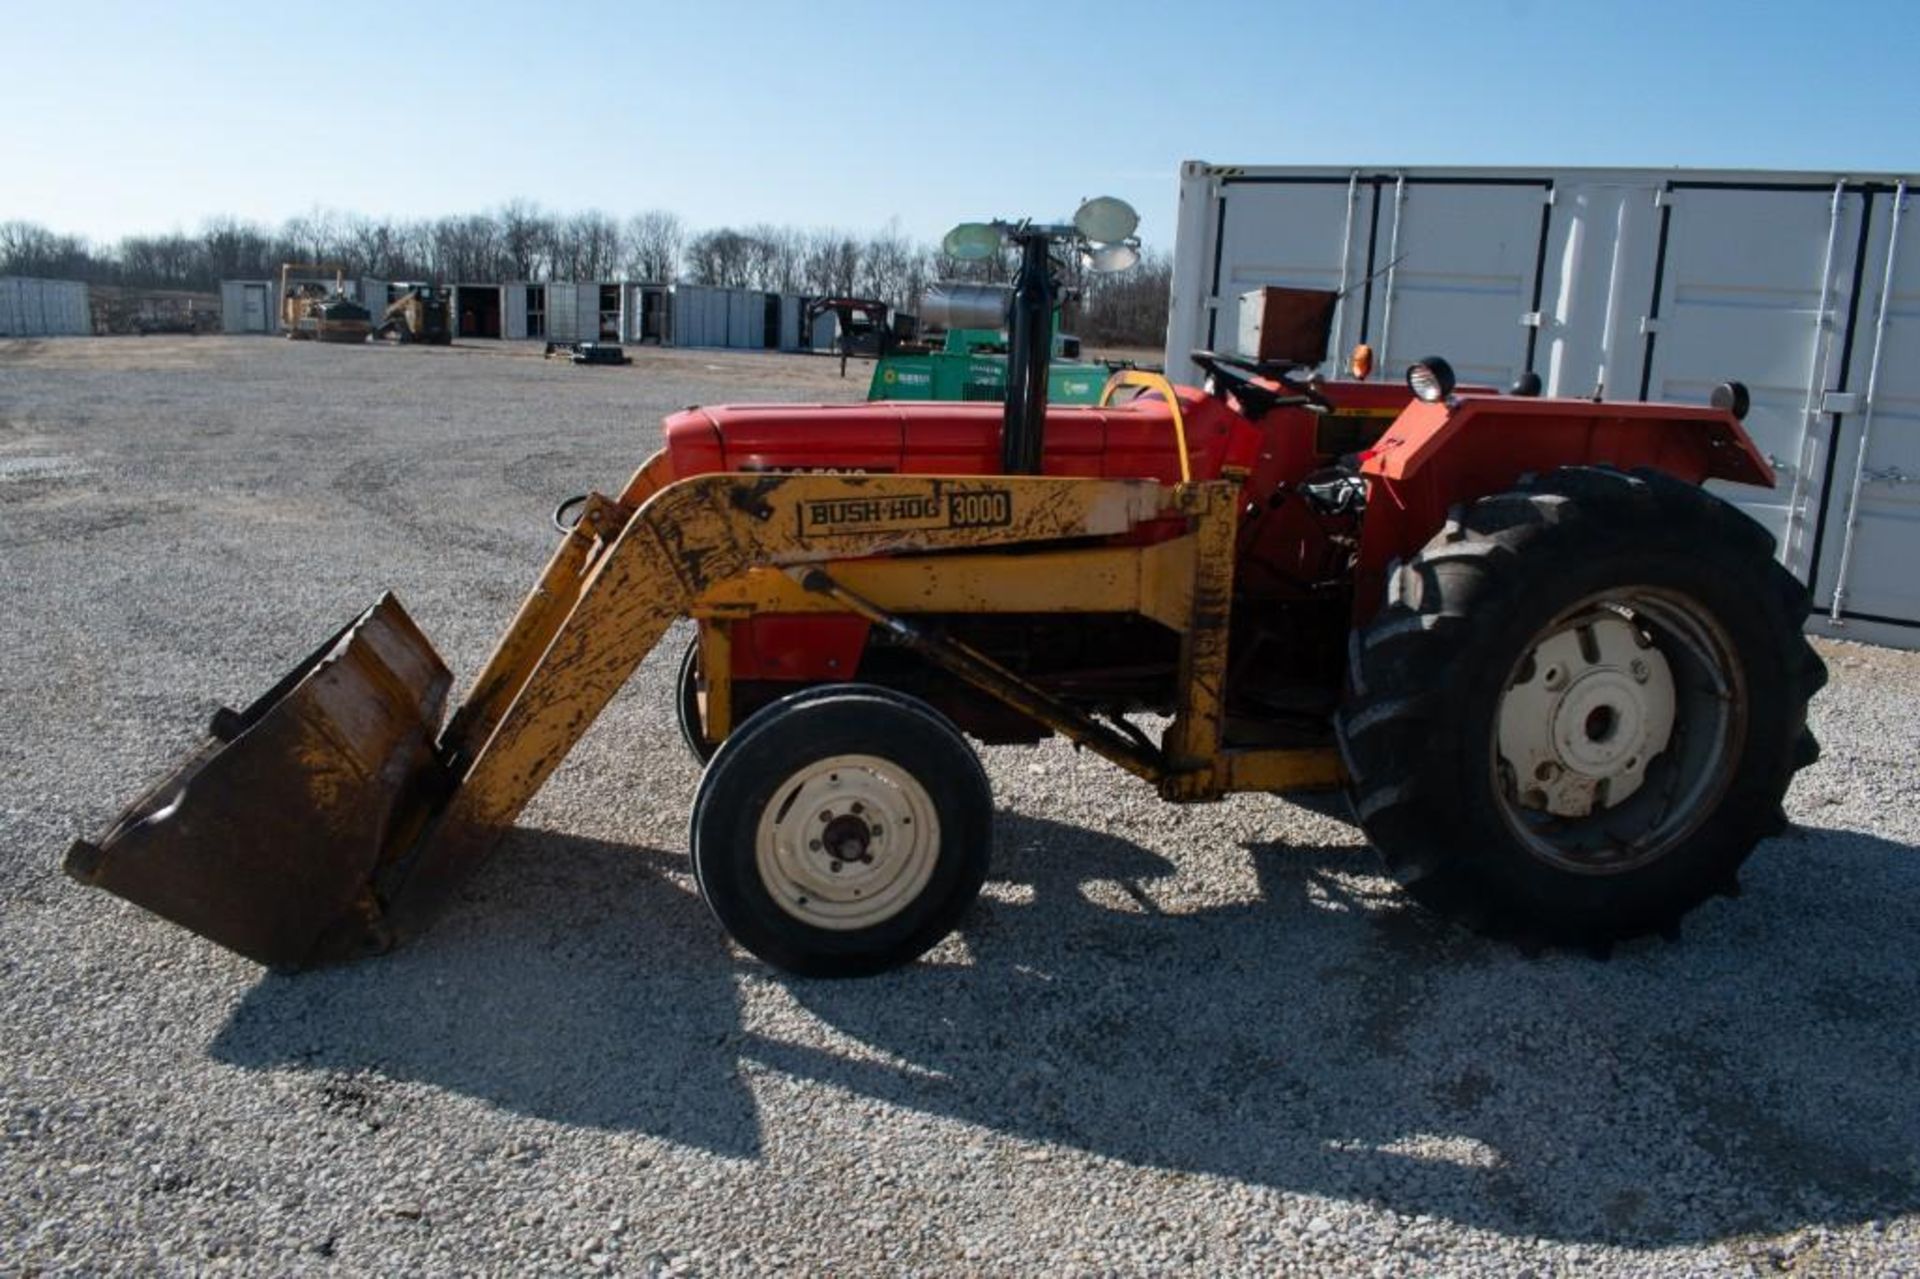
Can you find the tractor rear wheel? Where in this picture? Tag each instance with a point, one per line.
(1580, 707)
(842, 830)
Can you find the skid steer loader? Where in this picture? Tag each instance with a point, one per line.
(1563, 686)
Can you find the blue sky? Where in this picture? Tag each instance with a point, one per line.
(151, 117)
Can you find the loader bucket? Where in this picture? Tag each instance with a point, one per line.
(267, 838)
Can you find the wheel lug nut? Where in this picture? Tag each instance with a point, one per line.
(1640, 670)
(859, 808)
(827, 816)
(1546, 770)
(834, 867)
(815, 845)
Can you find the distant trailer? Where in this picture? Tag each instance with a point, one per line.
(1633, 284)
(34, 308)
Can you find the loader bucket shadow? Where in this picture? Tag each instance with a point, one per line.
(572, 981)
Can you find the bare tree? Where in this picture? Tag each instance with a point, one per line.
(526, 239)
(831, 263)
(653, 243)
(722, 257)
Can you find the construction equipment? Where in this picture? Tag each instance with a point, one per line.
(971, 362)
(312, 310)
(1564, 686)
(419, 313)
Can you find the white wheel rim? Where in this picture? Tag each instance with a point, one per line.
(1596, 706)
(1669, 692)
(847, 842)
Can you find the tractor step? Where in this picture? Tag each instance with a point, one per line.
(268, 837)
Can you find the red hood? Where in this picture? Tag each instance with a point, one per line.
(1130, 441)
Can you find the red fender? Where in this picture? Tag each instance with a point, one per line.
(1437, 455)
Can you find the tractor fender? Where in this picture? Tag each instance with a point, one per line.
(1438, 455)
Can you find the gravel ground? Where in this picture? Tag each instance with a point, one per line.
(1203, 1039)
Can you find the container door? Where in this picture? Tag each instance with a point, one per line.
(1457, 276)
(1879, 494)
(1289, 233)
(516, 316)
(253, 308)
(1741, 283)
(586, 301)
(563, 312)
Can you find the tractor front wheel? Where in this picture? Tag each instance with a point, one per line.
(1581, 707)
(687, 705)
(842, 831)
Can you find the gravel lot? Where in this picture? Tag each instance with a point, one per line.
(1205, 1039)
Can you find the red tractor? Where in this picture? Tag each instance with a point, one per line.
(1563, 685)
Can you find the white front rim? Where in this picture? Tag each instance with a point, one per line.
(847, 842)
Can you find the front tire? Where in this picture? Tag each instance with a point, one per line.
(1580, 708)
(687, 705)
(842, 831)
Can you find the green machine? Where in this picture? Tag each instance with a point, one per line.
(971, 363)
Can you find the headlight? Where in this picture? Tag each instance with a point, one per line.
(1430, 379)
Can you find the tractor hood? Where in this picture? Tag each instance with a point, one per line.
(1130, 441)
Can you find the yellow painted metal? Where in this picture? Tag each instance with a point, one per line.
(1304, 769)
(1192, 742)
(1155, 581)
(692, 534)
(1154, 382)
(716, 671)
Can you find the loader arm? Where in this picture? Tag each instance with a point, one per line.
(566, 655)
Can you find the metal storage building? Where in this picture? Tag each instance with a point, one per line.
(33, 308)
(1634, 284)
(791, 315)
(704, 315)
(646, 311)
(249, 306)
(478, 310)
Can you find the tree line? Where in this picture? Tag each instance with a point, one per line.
(521, 241)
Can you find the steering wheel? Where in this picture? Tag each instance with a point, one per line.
(1243, 378)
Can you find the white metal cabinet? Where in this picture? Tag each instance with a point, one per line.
(1458, 268)
(1868, 581)
(1295, 233)
(1749, 291)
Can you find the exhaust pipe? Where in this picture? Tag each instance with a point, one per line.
(1029, 356)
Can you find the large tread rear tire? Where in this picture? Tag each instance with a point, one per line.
(1429, 673)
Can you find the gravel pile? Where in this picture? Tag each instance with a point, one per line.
(1209, 1039)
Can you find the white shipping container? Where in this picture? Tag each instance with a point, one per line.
(789, 322)
(1633, 284)
(32, 307)
(689, 315)
(249, 306)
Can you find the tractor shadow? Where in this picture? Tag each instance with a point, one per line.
(1324, 1039)
(1331, 1039)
